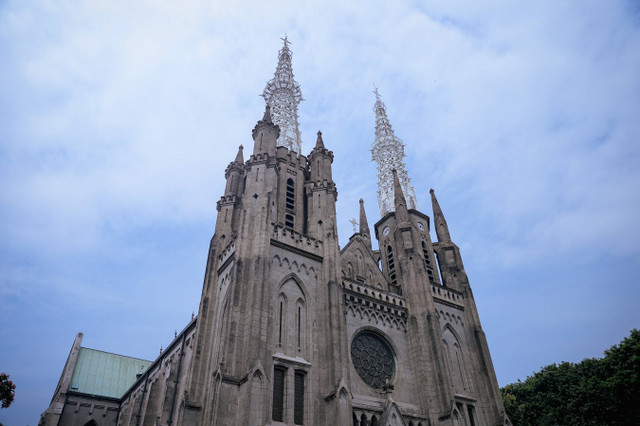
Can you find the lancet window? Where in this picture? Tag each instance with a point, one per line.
(277, 411)
(290, 204)
(298, 397)
(427, 261)
(392, 267)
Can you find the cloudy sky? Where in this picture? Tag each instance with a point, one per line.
(118, 118)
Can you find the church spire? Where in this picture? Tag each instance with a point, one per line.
(399, 200)
(442, 229)
(240, 156)
(282, 93)
(364, 225)
(388, 152)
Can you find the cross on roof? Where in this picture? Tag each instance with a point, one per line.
(375, 91)
(354, 222)
(286, 42)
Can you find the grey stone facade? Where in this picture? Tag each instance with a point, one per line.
(293, 330)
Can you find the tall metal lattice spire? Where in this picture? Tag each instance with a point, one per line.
(388, 152)
(283, 95)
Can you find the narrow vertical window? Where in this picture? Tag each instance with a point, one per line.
(289, 204)
(278, 394)
(427, 261)
(280, 324)
(392, 266)
(425, 253)
(299, 325)
(298, 398)
(462, 381)
(472, 419)
(290, 194)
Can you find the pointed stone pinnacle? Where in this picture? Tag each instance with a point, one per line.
(240, 156)
(364, 225)
(399, 201)
(267, 114)
(320, 142)
(440, 223)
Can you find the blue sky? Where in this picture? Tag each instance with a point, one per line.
(117, 120)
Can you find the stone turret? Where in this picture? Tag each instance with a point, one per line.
(265, 134)
(320, 160)
(234, 173)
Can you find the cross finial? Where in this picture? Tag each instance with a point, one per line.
(375, 91)
(354, 222)
(286, 42)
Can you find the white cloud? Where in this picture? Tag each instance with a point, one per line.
(117, 120)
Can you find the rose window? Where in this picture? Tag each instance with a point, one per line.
(373, 359)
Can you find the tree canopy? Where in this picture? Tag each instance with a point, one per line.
(7, 390)
(595, 391)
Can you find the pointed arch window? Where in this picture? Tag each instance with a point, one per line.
(457, 370)
(300, 317)
(282, 313)
(290, 325)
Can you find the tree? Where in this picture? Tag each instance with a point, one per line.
(592, 392)
(7, 390)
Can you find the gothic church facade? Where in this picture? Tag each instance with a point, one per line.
(294, 330)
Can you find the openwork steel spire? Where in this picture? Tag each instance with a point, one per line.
(388, 152)
(283, 95)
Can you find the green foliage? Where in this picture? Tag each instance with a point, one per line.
(602, 391)
(7, 390)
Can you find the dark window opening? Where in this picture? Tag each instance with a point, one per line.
(278, 394)
(298, 398)
(299, 325)
(288, 221)
(392, 266)
(290, 194)
(425, 254)
(472, 419)
(280, 324)
(290, 204)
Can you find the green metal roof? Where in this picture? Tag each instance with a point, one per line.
(105, 374)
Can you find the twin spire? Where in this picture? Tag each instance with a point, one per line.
(388, 151)
(282, 95)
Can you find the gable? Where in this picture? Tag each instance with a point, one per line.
(391, 415)
(358, 264)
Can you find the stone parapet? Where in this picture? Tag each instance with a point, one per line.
(448, 296)
(378, 305)
(297, 240)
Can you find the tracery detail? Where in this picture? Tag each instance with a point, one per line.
(372, 359)
(388, 152)
(283, 95)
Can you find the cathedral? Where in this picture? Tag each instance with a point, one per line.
(293, 329)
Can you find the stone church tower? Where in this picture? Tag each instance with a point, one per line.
(294, 330)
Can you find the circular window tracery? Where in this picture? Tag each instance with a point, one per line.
(372, 358)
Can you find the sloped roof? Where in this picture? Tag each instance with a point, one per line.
(105, 374)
